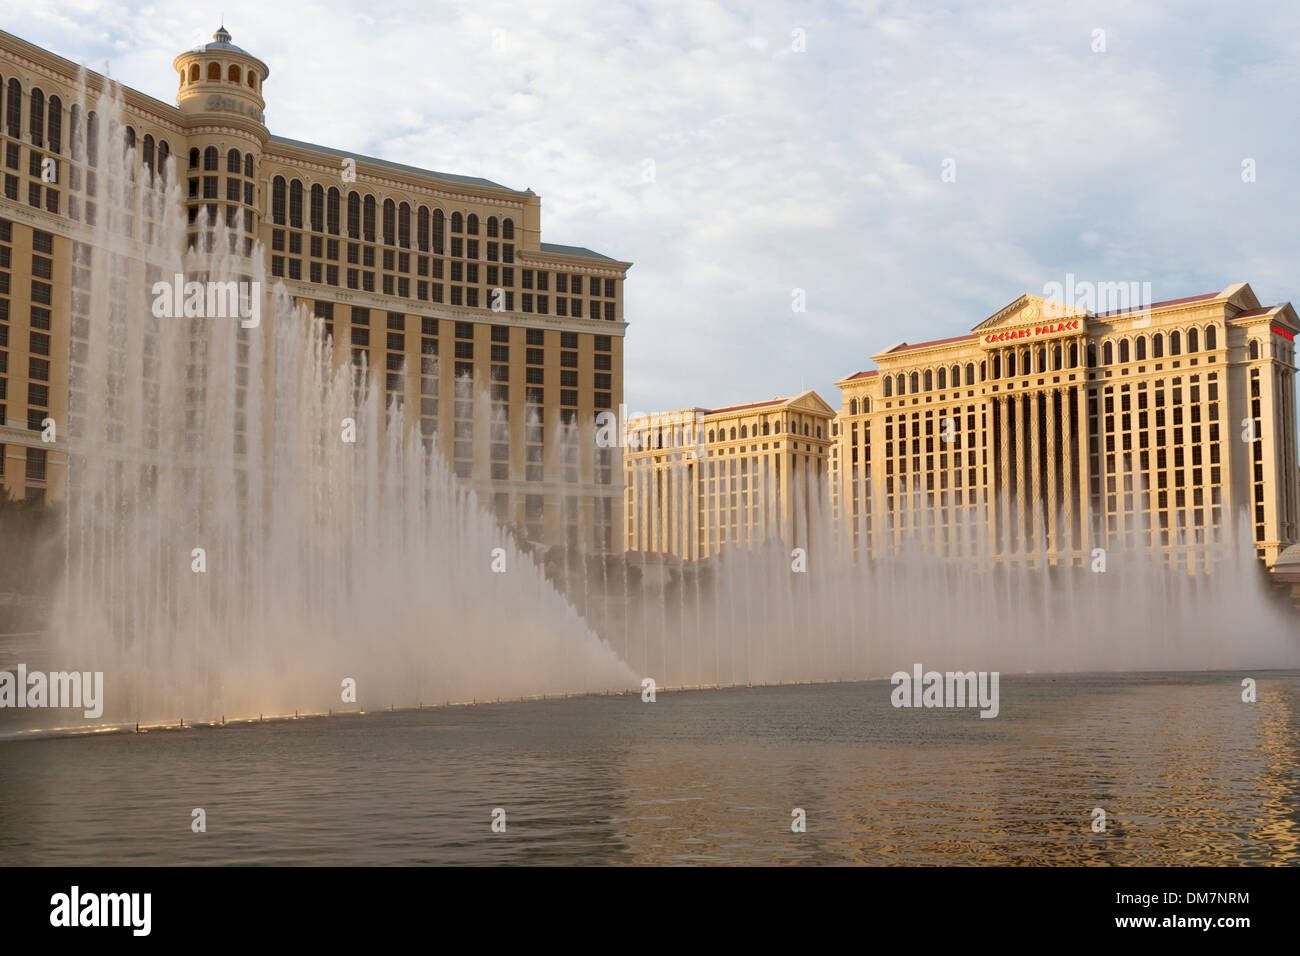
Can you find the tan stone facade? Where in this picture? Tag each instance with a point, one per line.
(446, 274)
(1069, 431)
(697, 481)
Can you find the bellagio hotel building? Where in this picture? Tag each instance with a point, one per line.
(442, 275)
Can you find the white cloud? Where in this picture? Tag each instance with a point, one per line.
(776, 169)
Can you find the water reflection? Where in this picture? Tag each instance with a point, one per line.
(1186, 772)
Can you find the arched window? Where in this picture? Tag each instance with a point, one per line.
(390, 222)
(956, 376)
(1123, 351)
(36, 117)
(233, 74)
(1211, 336)
(471, 224)
(56, 125)
(1140, 348)
(983, 371)
(194, 72)
(767, 427)
(92, 139)
(1192, 344)
(1074, 355)
(1042, 359)
(214, 72)
(404, 226)
(889, 387)
(354, 215)
(900, 384)
(1108, 354)
(422, 229)
(14, 114)
(278, 200)
(439, 231)
(1254, 350)
(744, 431)
(317, 207)
(1092, 355)
(76, 134)
(914, 383)
(252, 80)
(929, 381)
(332, 211)
(194, 158)
(1157, 346)
(148, 152)
(1011, 363)
(295, 204)
(164, 151)
(368, 218)
(711, 438)
(970, 373)
(248, 165)
(210, 159)
(457, 222)
(493, 227)
(733, 432)
(997, 367)
(805, 428)
(1056, 358)
(943, 377)
(507, 229)
(233, 162)
(1175, 343)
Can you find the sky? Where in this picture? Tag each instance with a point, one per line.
(902, 170)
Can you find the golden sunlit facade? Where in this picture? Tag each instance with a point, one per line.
(1067, 431)
(697, 481)
(439, 283)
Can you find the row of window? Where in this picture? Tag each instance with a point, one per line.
(234, 75)
(1008, 363)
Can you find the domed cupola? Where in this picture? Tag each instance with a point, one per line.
(221, 81)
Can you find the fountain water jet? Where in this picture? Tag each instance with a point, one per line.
(324, 559)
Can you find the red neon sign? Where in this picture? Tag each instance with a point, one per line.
(1032, 332)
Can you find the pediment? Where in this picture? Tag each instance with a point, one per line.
(1029, 309)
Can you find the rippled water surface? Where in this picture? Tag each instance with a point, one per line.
(1185, 771)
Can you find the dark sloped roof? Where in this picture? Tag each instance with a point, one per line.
(445, 177)
(585, 253)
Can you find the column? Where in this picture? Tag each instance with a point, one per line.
(1052, 472)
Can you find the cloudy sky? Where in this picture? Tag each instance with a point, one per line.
(737, 152)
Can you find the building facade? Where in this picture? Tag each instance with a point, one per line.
(438, 283)
(1066, 431)
(697, 481)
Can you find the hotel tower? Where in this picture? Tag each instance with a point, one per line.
(438, 283)
(1047, 432)
(1068, 430)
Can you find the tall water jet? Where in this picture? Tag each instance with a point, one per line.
(248, 527)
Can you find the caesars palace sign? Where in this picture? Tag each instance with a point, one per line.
(1041, 330)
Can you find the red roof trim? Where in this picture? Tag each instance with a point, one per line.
(905, 347)
(1253, 313)
(1160, 305)
(739, 408)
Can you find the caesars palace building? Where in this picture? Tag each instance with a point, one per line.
(445, 273)
(1059, 429)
